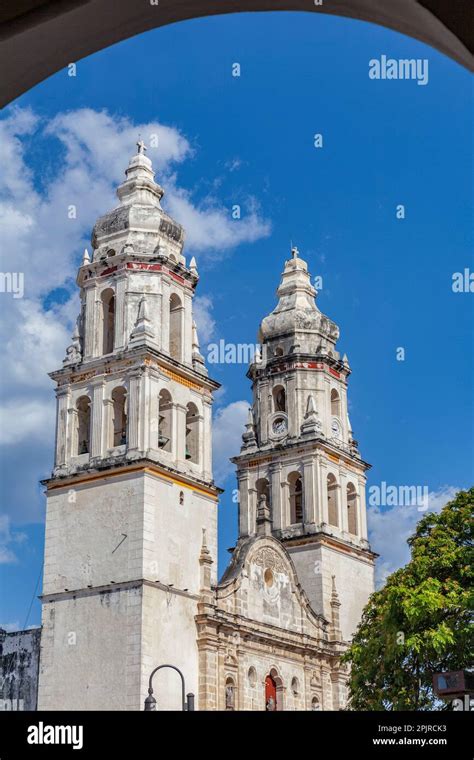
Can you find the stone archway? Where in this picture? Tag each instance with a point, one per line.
(273, 692)
(54, 34)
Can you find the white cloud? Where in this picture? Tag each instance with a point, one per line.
(228, 426)
(210, 227)
(10, 627)
(390, 529)
(205, 322)
(20, 419)
(8, 540)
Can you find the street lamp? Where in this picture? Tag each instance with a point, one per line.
(186, 701)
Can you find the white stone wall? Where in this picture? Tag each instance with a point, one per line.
(90, 652)
(84, 526)
(169, 637)
(354, 577)
(173, 533)
(120, 635)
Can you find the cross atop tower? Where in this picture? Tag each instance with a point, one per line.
(141, 147)
(294, 251)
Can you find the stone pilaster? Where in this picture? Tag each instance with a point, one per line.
(276, 505)
(121, 337)
(244, 517)
(134, 422)
(97, 427)
(90, 326)
(62, 403)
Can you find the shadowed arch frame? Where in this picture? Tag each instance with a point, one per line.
(56, 33)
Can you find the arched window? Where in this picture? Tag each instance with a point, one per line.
(165, 421)
(315, 704)
(279, 351)
(296, 497)
(332, 500)
(295, 686)
(176, 311)
(263, 489)
(83, 407)
(351, 509)
(108, 321)
(229, 694)
(335, 403)
(119, 417)
(192, 433)
(279, 399)
(252, 676)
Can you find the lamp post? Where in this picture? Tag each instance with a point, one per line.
(186, 701)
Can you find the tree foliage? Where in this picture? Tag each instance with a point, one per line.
(420, 622)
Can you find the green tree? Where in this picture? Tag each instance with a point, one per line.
(421, 621)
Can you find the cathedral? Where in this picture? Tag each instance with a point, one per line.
(130, 573)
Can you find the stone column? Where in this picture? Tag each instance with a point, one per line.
(165, 316)
(121, 338)
(244, 517)
(96, 419)
(309, 504)
(206, 439)
(358, 515)
(252, 501)
(343, 499)
(90, 321)
(107, 418)
(187, 329)
(276, 506)
(63, 396)
(200, 457)
(291, 404)
(145, 411)
(133, 413)
(208, 677)
(180, 428)
(337, 492)
(72, 440)
(318, 491)
(324, 492)
(326, 686)
(285, 502)
(264, 410)
(363, 509)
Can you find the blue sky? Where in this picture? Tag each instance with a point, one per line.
(249, 141)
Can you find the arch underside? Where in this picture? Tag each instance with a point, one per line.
(59, 32)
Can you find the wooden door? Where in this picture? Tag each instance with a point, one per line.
(270, 694)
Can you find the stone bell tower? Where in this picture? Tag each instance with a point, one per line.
(131, 491)
(301, 477)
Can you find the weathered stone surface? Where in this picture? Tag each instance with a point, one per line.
(19, 664)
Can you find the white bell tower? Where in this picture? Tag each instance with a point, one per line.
(300, 475)
(131, 490)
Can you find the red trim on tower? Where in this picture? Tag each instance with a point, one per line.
(108, 271)
(154, 268)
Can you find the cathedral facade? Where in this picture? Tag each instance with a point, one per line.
(130, 576)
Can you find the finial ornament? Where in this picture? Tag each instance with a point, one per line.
(141, 147)
(294, 251)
